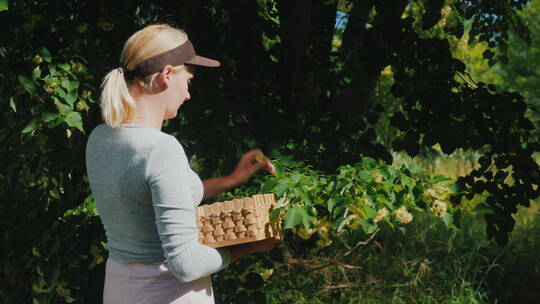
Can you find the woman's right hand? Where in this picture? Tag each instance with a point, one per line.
(264, 245)
(238, 251)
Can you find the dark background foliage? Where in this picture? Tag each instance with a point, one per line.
(283, 86)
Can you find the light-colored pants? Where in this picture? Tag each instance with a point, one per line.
(136, 283)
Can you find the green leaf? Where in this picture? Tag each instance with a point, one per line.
(47, 116)
(36, 73)
(28, 84)
(65, 84)
(61, 92)
(45, 54)
(296, 177)
(483, 209)
(407, 183)
(295, 215)
(281, 187)
(388, 186)
(12, 104)
(382, 199)
(439, 178)
(70, 85)
(415, 169)
(90, 206)
(54, 123)
(74, 119)
(64, 109)
(448, 220)
(330, 186)
(305, 198)
(251, 143)
(104, 245)
(73, 85)
(370, 211)
(368, 162)
(31, 126)
(70, 98)
(365, 175)
(455, 188)
(367, 226)
(69, 212)
(64, 66)
(332, 202)
(268, 185)
(4, 6)
(346, 188)
(53, 71)
(339, 211)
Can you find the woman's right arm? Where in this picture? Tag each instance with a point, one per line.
(167, 176)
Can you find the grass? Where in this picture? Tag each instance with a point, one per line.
(431, 264)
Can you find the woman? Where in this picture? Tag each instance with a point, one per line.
(144, 189)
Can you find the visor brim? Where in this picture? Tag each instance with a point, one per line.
(203, 61)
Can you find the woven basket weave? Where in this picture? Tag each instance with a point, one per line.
(235, 222)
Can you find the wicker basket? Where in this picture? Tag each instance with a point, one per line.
(235, 222)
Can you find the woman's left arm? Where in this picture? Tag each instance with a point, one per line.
(250, 163)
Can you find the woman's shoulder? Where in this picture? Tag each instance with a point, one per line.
(132, 137)
(167, 143)
(144, 132)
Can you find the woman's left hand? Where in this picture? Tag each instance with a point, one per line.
(250, 163)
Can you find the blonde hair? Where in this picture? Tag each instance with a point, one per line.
(117, 104)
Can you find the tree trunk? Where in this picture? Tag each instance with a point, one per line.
(366, 49)
(307, 28)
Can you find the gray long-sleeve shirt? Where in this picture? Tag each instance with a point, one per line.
(146, 195)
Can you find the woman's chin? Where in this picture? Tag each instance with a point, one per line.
(170, 115)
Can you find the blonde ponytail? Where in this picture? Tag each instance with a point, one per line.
(117, 105)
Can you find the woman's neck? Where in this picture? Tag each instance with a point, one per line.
(147, 111)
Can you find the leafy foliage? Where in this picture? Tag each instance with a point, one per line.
(353, 202)
(284, 86)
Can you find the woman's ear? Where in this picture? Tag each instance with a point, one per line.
(164, 77)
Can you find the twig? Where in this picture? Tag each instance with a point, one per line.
(362, 243)
(311, 267)
(349, 266)
(378, 245)
(337, 286)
